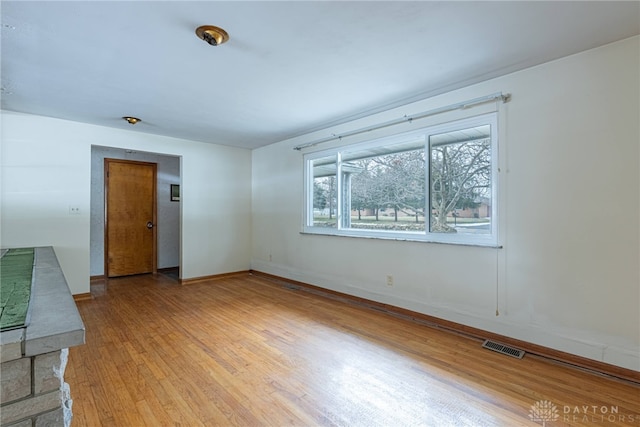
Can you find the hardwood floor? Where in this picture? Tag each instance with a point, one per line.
(246, 351)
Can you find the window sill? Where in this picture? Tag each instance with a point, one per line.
(402, 238)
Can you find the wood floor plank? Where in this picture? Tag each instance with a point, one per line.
(245, 351)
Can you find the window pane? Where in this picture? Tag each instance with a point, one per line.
(325, 201)
(432, 184)
(386, 192)
(460, 181)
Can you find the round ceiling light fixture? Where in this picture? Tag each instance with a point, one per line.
(213, 35)
(131, 120)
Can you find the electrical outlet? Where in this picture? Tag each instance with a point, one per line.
(74, 210)
(389, 280)
(270, 258)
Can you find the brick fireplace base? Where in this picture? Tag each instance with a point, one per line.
(34, 392)
(33, 358)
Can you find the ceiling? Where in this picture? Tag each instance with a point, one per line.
(289, 67)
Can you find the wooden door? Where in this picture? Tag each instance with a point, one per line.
(130, 217)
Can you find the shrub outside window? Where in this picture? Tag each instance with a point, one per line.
(434, 184)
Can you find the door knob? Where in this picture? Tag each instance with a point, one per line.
(149, 225)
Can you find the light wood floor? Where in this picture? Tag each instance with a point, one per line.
(246, 351)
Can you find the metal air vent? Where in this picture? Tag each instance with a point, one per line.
(504, 349)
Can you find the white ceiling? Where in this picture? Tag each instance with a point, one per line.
(288, 68)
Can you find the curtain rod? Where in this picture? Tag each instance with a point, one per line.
(459, 106)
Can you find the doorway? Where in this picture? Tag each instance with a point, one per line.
(130, 217)
(168, 211)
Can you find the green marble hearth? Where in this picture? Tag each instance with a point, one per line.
(16, 270)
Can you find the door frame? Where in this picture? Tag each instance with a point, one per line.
(108, 160)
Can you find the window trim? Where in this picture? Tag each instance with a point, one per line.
(489, 240)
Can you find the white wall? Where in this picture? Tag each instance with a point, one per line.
(568, 275)
(46, 167)
(168, 212)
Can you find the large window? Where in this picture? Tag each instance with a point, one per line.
(435, 184)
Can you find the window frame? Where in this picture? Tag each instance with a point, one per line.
(489, 239)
